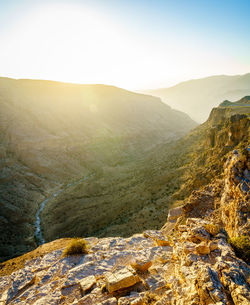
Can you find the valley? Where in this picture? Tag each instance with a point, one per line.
(124, 152)
(139, 173)
(199, 255)
(52, 134)
(137, 195)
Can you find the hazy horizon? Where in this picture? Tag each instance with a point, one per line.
(136, 45)
(138, 90)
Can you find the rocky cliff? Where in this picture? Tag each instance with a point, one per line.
(190, 260)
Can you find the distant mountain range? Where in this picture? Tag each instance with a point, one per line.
(197, 97)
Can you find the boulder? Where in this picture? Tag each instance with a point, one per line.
(141, 264)
(173, 214)
(87, 283)
(123, 278)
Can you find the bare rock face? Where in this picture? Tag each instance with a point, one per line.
(235, 199)
(103, 276)
(205, 272)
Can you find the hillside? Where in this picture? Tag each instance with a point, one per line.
(200, 255)
(136, 195)
(197, 97)
(54, 133)
(57, 129)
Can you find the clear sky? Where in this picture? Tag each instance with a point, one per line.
(133, 44)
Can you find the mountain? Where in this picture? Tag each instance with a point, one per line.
(197, 97)
(53, 134)
(45, 120)
(200, 255)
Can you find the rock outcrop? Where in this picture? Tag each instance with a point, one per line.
(104, 276)
(235, 208)
(189, 262)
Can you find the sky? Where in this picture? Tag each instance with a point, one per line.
(132, 44)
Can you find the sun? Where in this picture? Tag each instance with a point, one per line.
(66, 42)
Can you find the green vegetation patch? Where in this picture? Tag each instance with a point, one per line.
(241, 245)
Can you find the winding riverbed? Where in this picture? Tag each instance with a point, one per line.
(38, 233)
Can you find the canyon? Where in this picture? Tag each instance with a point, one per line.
(161, 203)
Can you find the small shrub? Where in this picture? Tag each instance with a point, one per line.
(241, 245)
(76, 246)
(212, 229)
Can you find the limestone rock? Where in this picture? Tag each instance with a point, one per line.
(87, 283)
(155, 282)
(189, 247)
(141, 264)
(138, 301)
(123, 278)
(173, 214)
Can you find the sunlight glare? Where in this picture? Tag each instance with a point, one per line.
(67, 43)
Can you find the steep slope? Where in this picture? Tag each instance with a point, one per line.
(190, 261)
(53, 133)
(136, 196)
(197, 97)
(57, 129)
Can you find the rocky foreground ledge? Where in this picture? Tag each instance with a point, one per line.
(146, 268)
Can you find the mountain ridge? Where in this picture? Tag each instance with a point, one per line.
(198, 96)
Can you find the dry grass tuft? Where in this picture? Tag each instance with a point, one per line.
(76, 246)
